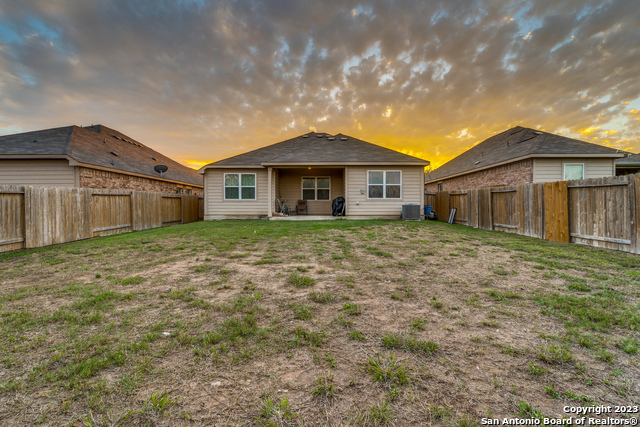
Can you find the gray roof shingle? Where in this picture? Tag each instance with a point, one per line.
(515, 143)
(94, 145)
(309, 148)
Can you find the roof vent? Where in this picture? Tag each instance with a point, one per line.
(331, 138)
(35, 140)
(344, 138)
(538, 132)
(477, 162)
(114, 154)
(319, 135)
(305, 136)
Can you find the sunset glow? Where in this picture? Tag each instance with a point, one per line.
(430, 79)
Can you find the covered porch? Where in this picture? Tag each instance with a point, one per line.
(305, 217)
(318, 185)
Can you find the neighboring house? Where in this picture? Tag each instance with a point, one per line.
(628, 165)
(522, 155)
(317, 167)
(90, 157)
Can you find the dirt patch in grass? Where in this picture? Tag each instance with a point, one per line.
(341, 322)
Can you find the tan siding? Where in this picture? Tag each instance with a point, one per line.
(359, 205)
(37, 172)
(549, 170)
(215, 205)
(290, 188)
(598, 168)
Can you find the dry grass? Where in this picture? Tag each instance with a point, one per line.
(336, 322)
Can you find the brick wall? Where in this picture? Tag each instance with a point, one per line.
(94, 178)
(510, 174)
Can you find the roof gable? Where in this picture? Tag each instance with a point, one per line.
(98, 146)
(516, 143)
(317, 147)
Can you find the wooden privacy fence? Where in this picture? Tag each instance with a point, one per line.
(600, 212)
(31, 217)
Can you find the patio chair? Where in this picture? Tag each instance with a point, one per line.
(337, 206)
(281, 207)
(302, 207)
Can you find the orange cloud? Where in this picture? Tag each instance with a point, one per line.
(588, 130)
(195, 164)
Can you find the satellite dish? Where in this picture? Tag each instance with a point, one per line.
(160, 169)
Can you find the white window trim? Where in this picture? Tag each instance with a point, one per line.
(314, 188)
(564, 169)
(239, 187)
(384, 185)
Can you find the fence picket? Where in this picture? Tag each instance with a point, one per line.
(597, 212)
(32, 217)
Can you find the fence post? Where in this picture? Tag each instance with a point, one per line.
(133, 212)
(634, 198)
(556, 211)
(28, 230)
(12, 227)
(541, 222)
(442, 209)
(182, 199)
(491, 227)
(136, 212)
(470, 221)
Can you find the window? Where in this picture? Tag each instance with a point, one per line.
(384, 184)
(573, 171)
(316, 188)
(439, 187)
(239, 186)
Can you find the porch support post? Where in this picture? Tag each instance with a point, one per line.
(422, 192)
(345, 181)
(270, 201)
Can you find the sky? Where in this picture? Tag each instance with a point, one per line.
(203, 80)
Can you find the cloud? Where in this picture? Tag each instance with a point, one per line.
(205, 80)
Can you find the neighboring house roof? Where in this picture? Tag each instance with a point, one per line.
(94, 146)
(316, 148)
(631, 161)
(516, 144)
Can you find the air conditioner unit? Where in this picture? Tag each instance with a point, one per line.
(411, 212)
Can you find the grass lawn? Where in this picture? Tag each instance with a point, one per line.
(329, 322)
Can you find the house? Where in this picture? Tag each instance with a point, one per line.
(316, 167)
(628, 165)
(90, 157)
(521, 155)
